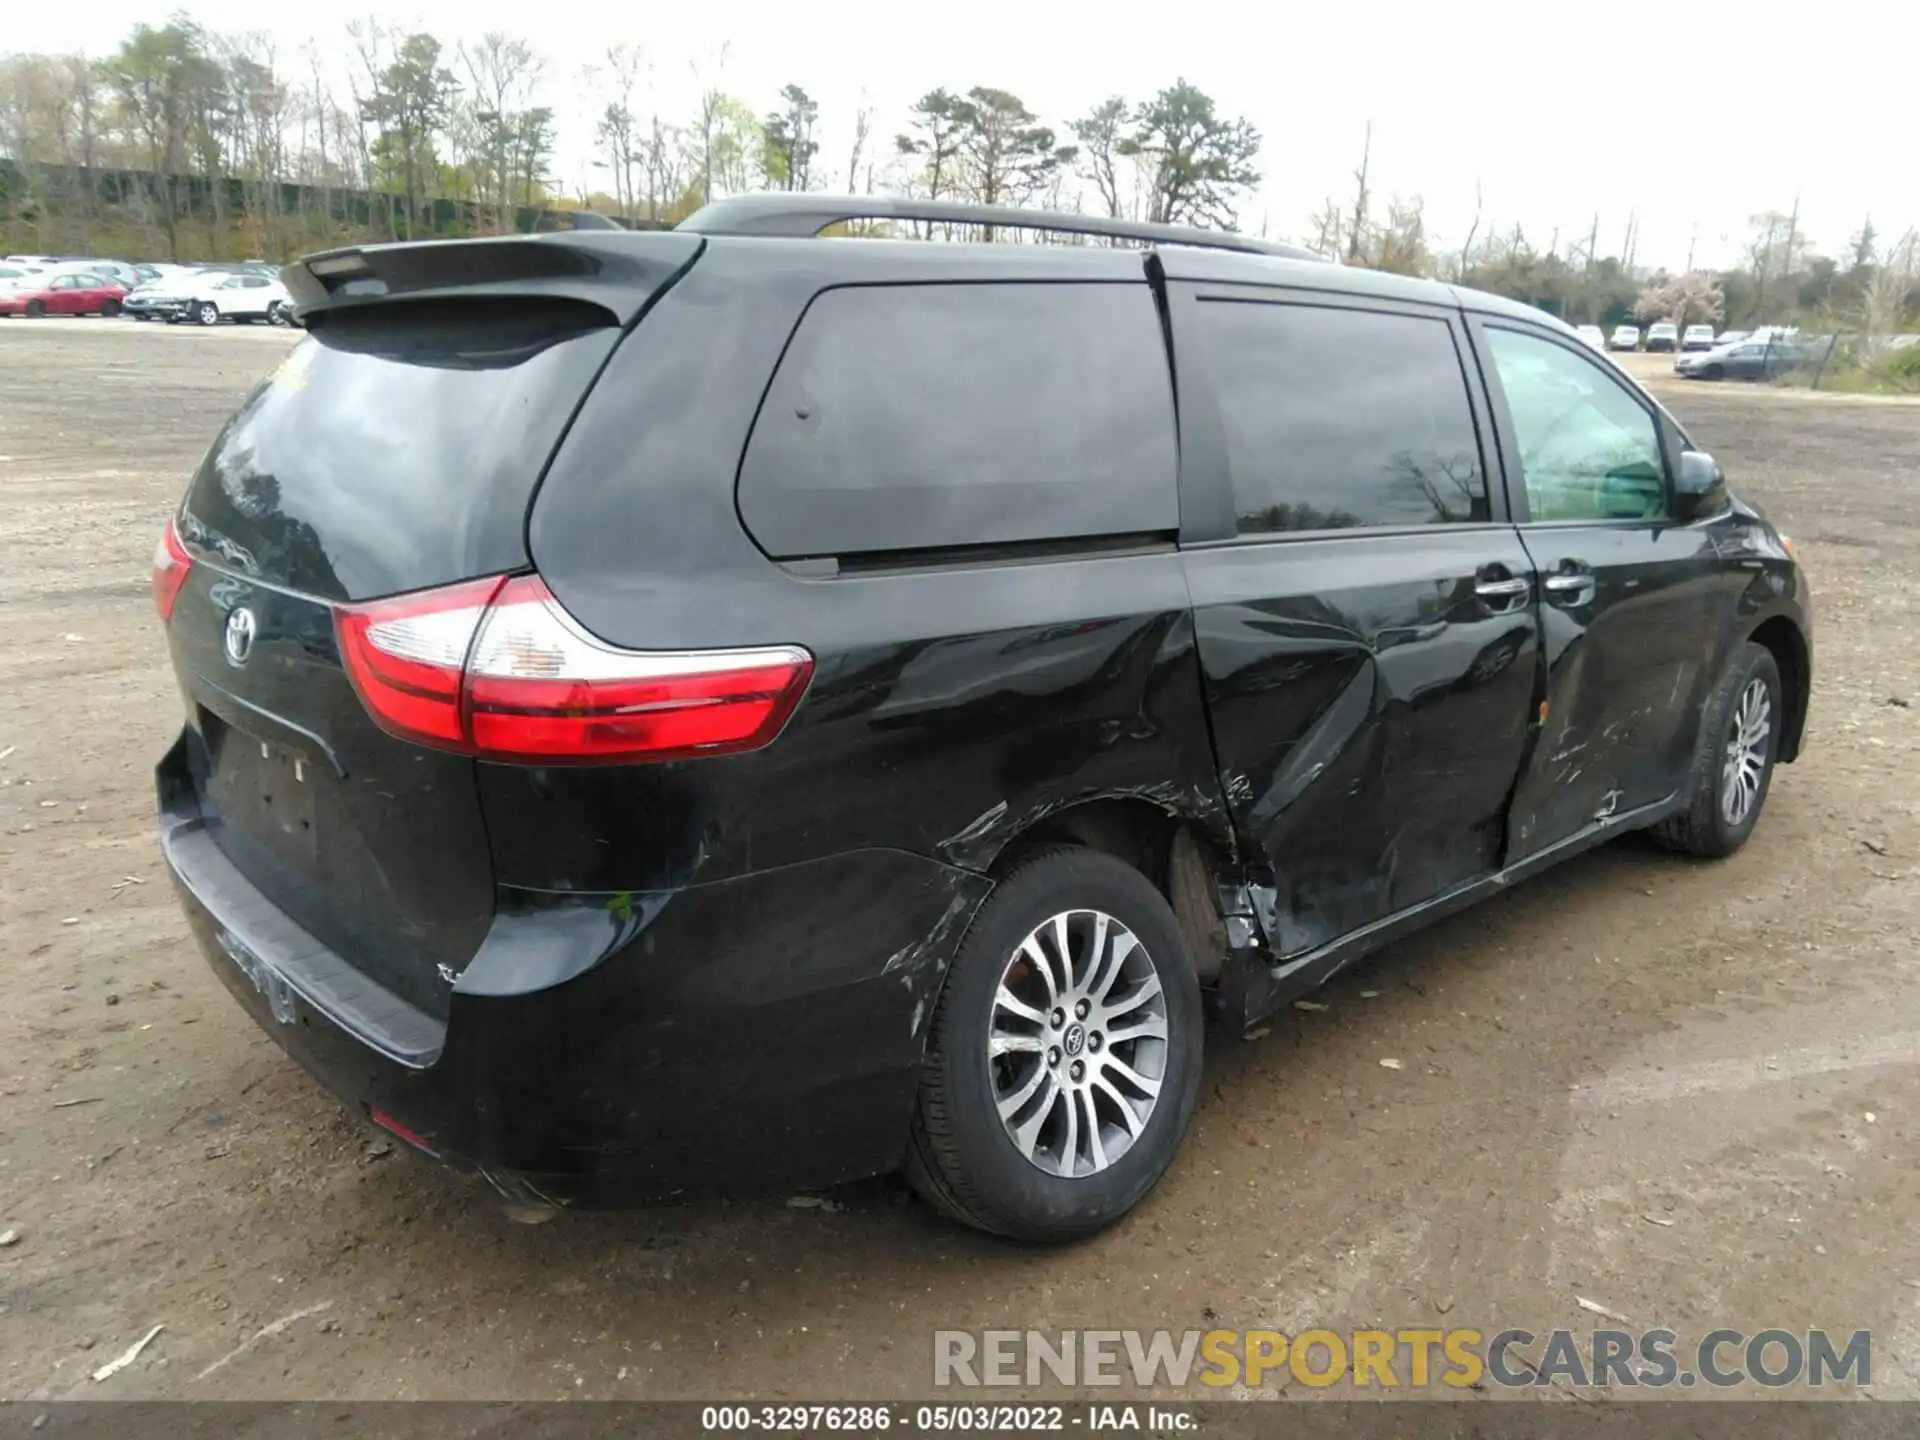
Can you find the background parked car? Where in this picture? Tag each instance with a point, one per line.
(12, 274)
(159, 273)
(242, 296)
(1729, 337)
(1755, 358)
(78, 292)
(1624, 337)
(158, 299)
(1593, 335)
(1663, 335)
(1697, 337)
(118, 271)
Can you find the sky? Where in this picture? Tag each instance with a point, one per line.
(1689, 118)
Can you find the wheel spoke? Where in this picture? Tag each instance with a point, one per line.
(1101, 985)
(1010, 1105)
(1070, 1144)
(1095, 1150)
(1036, 955)
(1008, 1044)
(1096, 952)
(1027, 1134)
(1006, 1000)
(1144, 1027)
(1063, 947)
(1148, 1088)
(1149, 989)
(1129, 1121)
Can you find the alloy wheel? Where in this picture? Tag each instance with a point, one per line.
(1744, 768)
(1077, 1046)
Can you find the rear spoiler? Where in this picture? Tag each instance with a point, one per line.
(617, 270)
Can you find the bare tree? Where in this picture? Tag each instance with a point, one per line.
(1102, 131)
(862, 127)
(1466, 250)
(502, 71)
(665, 163)
(1356, 231)
(1773, 250)
(1329, 224)
(1400, 245)
(618, 127)
(708, 117)
(1889, 290)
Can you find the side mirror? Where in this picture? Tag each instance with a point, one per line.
(1700, 488)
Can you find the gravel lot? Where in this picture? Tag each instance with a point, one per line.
(1687, 1092)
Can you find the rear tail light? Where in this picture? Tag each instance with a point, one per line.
(171, 566)
(496, 668)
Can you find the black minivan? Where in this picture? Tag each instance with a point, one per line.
(732, 708)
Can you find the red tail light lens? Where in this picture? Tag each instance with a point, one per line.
(171, 566)
(497, 668)
(408, 656)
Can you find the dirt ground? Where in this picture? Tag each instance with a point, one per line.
(1687, 1092)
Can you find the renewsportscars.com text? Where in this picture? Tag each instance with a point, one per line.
(1459, 1358)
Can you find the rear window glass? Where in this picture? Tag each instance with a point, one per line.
(930, 416)
(397, 447)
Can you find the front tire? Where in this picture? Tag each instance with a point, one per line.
(110, 308)
(1064, 1056)
(36, 309)
(1733, 759)
(207, 313)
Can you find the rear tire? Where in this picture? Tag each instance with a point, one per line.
(1733, 759)
(207, 313)
(998, 1045)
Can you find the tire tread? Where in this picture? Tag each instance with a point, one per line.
(1694, 828)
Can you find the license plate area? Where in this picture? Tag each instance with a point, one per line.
(272, 986)
(262, 789)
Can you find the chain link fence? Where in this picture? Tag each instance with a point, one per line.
(1843, 361)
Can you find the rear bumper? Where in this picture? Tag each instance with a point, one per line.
(758, 1032)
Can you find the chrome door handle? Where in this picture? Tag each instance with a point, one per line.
(1502, 589)
(1574, 589)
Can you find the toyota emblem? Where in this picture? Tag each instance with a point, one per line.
(240, 627)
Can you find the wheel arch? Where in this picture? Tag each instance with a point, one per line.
(1787, 643)
(1181, 852)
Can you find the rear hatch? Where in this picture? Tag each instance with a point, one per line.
(396, 449)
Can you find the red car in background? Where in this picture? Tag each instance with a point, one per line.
(74, 293)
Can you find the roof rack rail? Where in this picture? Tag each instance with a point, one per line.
(796, 214)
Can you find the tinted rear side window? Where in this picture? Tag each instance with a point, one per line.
(1342, 418)
(920, 416)
(397, 447)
